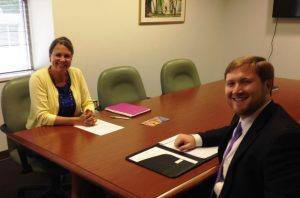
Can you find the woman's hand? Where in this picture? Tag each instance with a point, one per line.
(88, 118)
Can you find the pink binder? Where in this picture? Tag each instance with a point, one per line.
(127, 109)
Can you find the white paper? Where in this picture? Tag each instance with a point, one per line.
(101, 127)
(155, 151)
(202, 152)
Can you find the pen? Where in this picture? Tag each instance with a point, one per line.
(120, 117)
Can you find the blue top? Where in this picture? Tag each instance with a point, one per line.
(66, 100)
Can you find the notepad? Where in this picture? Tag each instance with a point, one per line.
(100, 128)
(127, 109)
(165, 159)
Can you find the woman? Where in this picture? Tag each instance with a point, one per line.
(59, 94)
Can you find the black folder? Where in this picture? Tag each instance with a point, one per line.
(168, 164)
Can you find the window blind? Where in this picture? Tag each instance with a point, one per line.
(15, 49)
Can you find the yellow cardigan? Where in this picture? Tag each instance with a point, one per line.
(44, 97)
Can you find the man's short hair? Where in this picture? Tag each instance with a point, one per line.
(263, 68)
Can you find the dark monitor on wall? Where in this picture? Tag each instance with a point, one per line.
(286, 8)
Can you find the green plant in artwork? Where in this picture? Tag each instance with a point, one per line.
(163, 8)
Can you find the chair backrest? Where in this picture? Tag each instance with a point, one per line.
(120, 84)
(15, 103)
(178, 74)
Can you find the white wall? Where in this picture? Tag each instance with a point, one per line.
(42, 32)
(249, 28)
(107, 34)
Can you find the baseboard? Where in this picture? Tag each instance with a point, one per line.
(4, 154)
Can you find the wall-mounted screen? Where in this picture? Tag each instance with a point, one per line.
(286, 8)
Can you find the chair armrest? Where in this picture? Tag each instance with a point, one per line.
(4, 128)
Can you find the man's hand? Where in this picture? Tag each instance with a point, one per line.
(185, 142)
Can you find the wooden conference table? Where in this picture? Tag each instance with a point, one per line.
(101, 159)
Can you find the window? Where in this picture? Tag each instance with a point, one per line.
(14, 37)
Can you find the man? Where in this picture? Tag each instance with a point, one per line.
(264, 160)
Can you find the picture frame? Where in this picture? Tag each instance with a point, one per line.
(161, 11)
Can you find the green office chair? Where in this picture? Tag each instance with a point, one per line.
(15, 104)
(178, 74)
(119, 84)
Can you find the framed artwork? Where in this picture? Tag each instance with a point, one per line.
(162, 11)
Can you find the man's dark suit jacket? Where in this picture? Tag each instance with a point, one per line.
(267, 161)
